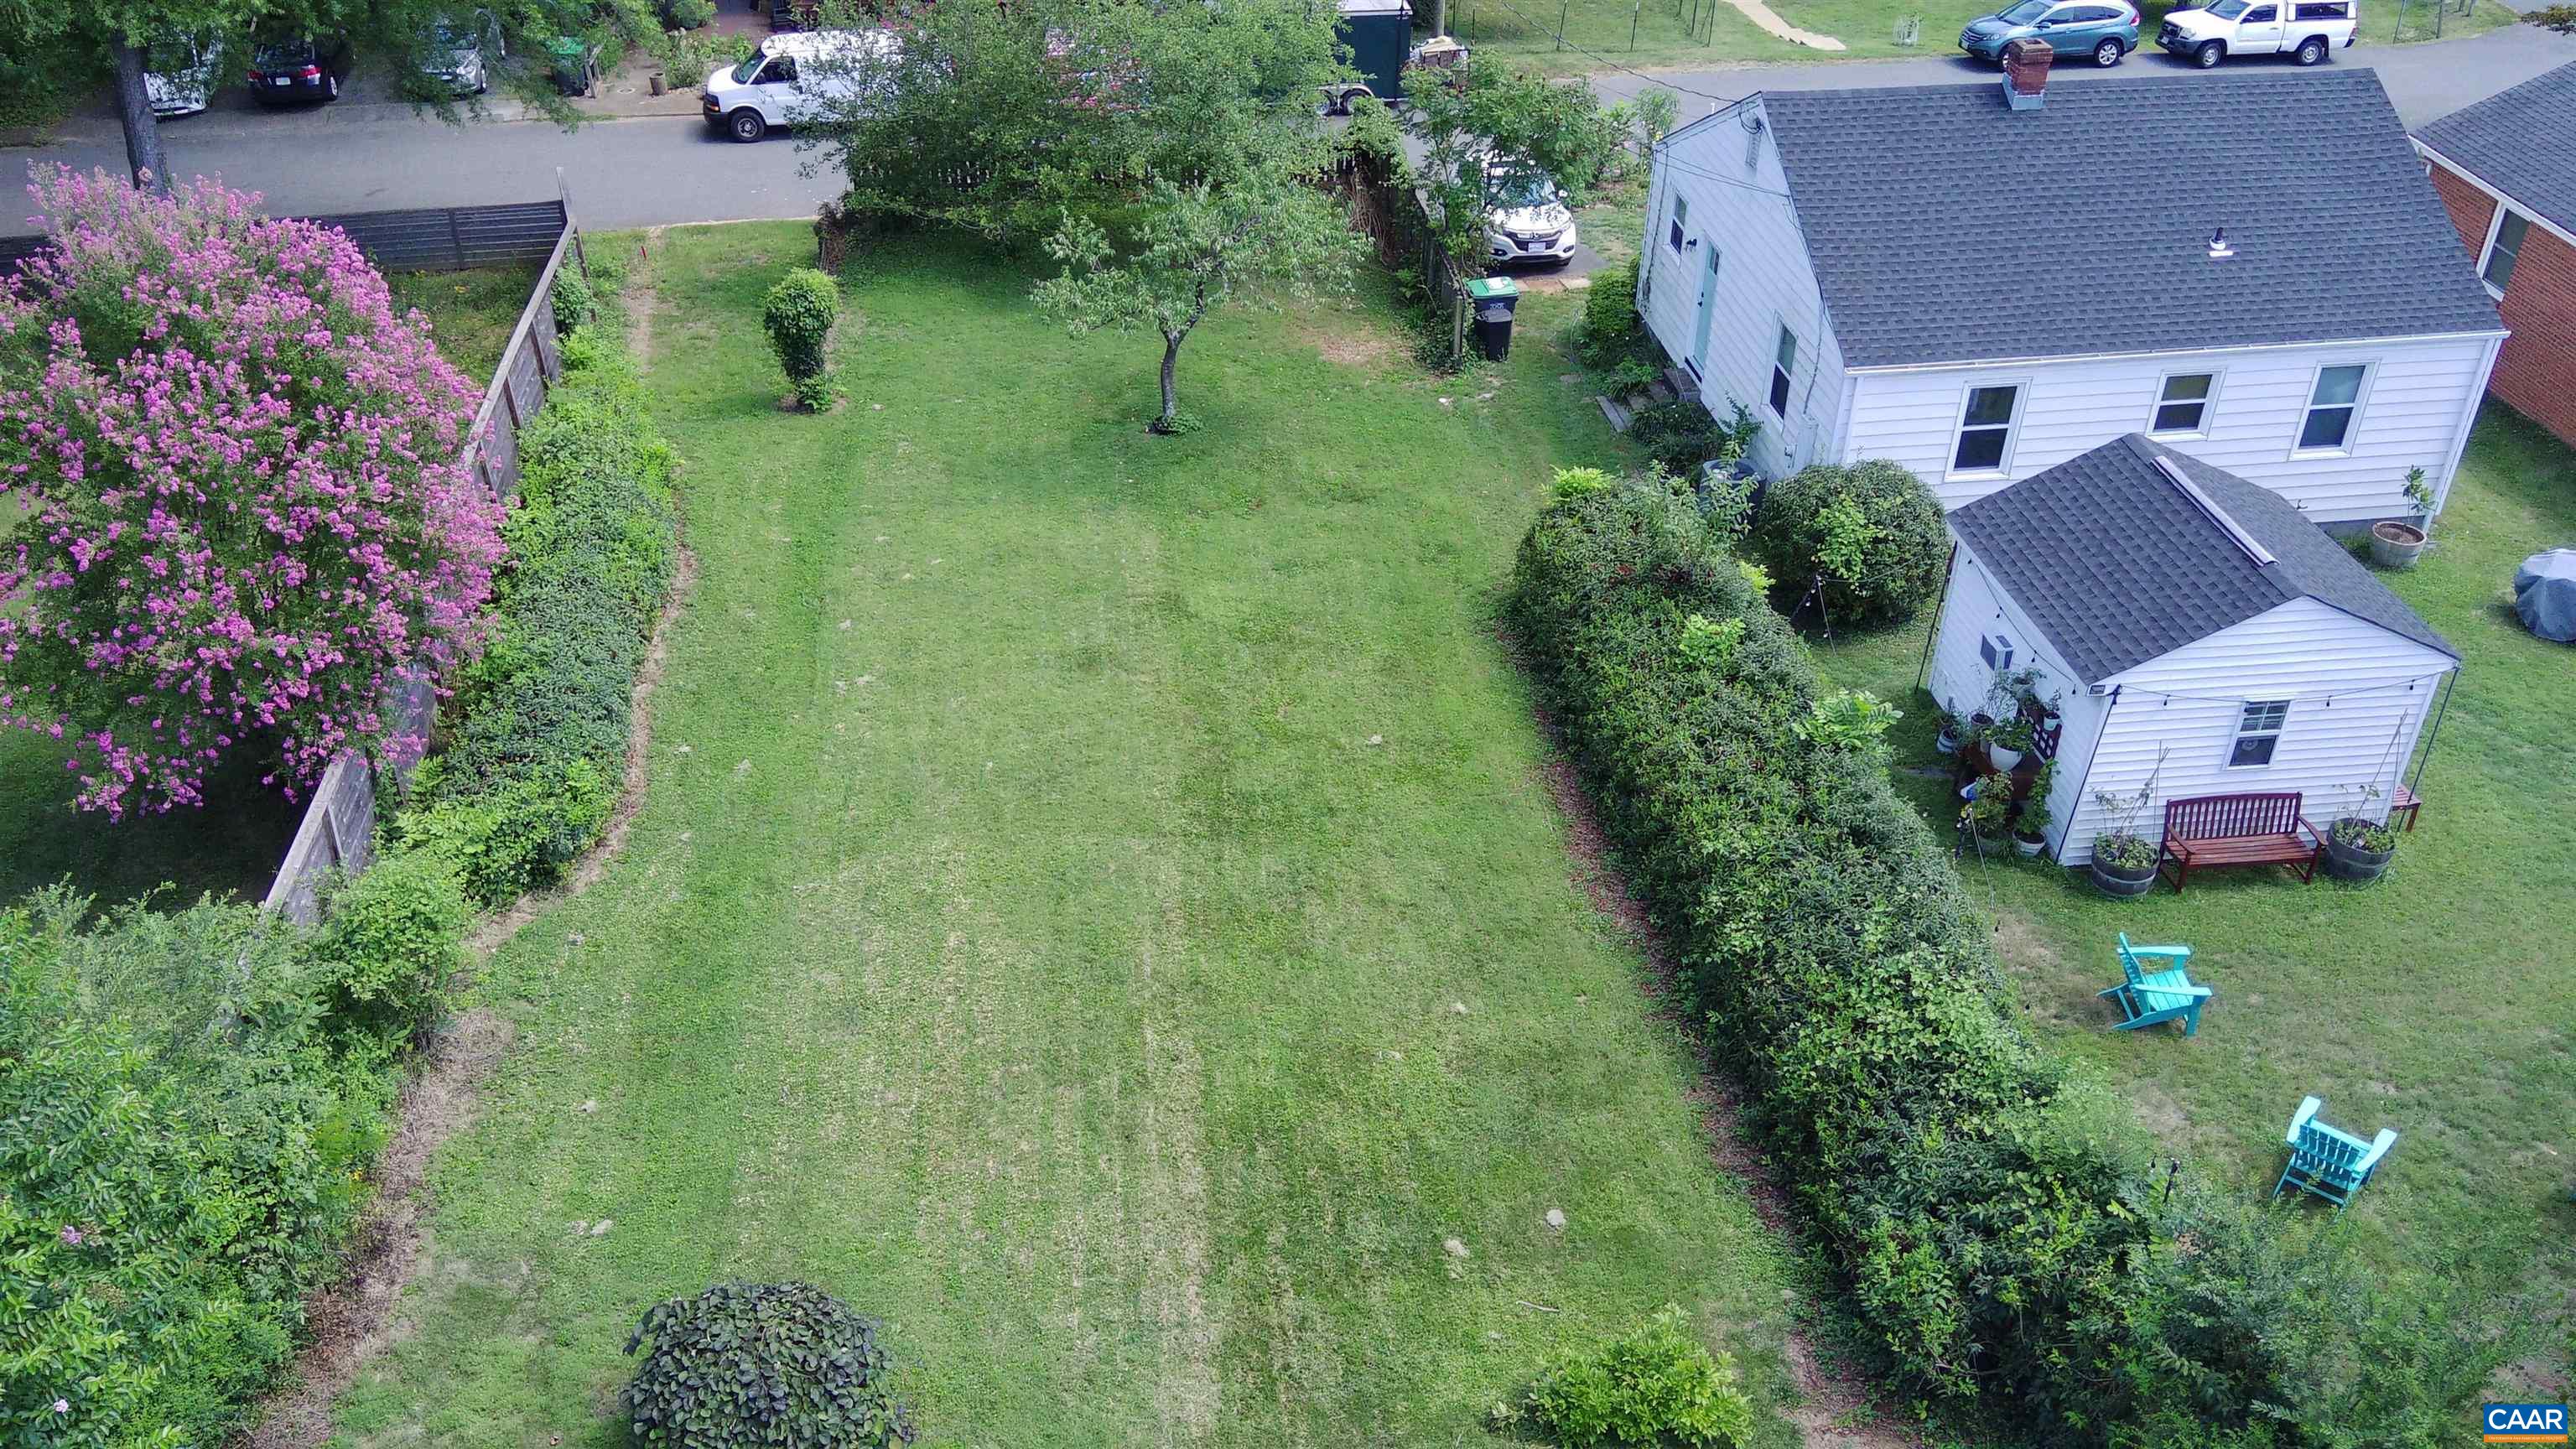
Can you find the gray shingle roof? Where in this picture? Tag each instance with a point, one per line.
(2117, 566)
(1948, 228)
(2521, 142)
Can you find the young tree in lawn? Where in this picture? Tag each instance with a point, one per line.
(1260, 235)
(239, 515)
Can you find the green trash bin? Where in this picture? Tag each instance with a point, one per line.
(569, 61)
(1494, 299)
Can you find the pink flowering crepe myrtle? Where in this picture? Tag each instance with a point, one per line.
(232, 514)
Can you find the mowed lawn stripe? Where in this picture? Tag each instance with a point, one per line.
(1049, 960)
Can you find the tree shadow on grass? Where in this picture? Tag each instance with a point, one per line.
(229, 847)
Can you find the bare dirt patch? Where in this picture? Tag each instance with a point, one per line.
(2040, 969)
(1347, 337)
(1836, 1409)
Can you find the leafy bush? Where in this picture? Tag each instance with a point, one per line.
(1680, 435)
(799, 313)
(538, 741)
(161, 367)
(1871, 533)
(764, 1364)
(1655, 1385)
(1995, 1224)
(183, 1138)
(1612, 332)
(389, 940)
(687, 14)
(573, 300)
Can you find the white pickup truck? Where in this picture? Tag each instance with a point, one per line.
(2309, 30)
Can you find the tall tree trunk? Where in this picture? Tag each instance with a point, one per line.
(143, 155)
(1439, 18)
(1171, 407)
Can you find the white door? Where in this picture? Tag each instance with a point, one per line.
(2259, 33)
(1707, 310)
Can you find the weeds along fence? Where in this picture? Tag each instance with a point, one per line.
(1396, 216)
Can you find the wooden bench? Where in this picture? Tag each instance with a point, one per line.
(2258, 829)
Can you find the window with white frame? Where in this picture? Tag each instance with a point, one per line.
(1985, 428)
(2258, 733)
(2333, 405)
(2182, 404)
(1681, 216)
(2504, 248)
(1784, 362)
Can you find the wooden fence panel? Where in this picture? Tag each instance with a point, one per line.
(435, 239)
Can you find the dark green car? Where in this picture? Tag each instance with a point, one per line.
(2103, 31)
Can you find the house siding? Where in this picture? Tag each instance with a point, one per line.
(1974, 606)
(1764, 282)
(2419, 395)
(2539, 304)
(2359, 699)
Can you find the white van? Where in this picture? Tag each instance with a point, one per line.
(2310, 30)
(793, 79)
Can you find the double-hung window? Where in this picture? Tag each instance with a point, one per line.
(2182, 405)
(1985, 428)
(1784, 363)
(2504, 248)
(2258, 733)
(2333, 406)
(1681, 218)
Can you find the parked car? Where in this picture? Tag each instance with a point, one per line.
(1526, 219)
(460, 51)
(2104, 30)
(2310, 30)
(791, 79)
(179, 74)
(298, 68)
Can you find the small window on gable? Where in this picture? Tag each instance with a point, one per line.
(2258, 733)
(1681, 217)
(1784, 364)
(2182, 404)
(2505, 248)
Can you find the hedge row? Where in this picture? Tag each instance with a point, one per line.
(189, 1105)
(2001, 1227)
(536, 746)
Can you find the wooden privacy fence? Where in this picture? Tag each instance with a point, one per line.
(1397, 217)
(338, 830)
(434, 239)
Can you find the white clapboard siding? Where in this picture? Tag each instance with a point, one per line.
(1975, 606)
(2416, 402)
(2359, 698)
(1764, 282)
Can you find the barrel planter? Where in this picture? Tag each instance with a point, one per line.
(2396, 545)
(2348, 861)
(2122, 880)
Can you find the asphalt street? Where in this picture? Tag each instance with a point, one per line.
(356, 156)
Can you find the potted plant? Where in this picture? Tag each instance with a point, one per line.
(1954, 732)
(2052, 711)
(2008, 741)
(1989, 808)
(2030, 827)
(2124, 861)
(2358, 847)
(2395, 545)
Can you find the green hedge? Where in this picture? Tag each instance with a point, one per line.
(2000, 1228)
(537, 740)
(189, 1103)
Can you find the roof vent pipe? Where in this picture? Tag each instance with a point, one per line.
(2219, 250)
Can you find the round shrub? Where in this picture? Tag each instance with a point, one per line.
(1656, 1384)
(573, 300)
(388, 941)
(244, 515)
(799, 313)
(771, 1364)
(1871, 533)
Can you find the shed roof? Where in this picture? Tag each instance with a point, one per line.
(2117, 565)
(1947, 227)
(2522, 142)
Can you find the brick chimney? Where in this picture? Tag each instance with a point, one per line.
(2026, 64)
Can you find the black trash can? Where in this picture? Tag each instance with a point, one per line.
(1495, 298)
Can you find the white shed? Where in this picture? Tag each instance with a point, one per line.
(2205, 637)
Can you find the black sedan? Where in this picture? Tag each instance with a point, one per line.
(298, 69)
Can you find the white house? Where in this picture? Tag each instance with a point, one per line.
(1982, 290)
(2205, 639)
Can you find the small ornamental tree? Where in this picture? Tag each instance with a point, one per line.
(243, 516)
(799, 313)
(771, 1364)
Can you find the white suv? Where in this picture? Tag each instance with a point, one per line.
(1526, 219)
(2310, 30)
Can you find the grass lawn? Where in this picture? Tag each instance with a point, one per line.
(1097, 906)
(470, 313)
(2436, 1002)
(1686, 36)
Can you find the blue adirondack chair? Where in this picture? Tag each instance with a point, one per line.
(2147, 997)
(2328, 1161)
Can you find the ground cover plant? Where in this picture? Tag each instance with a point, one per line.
(2460, 1039)
(1098, 908)
(470, 313)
